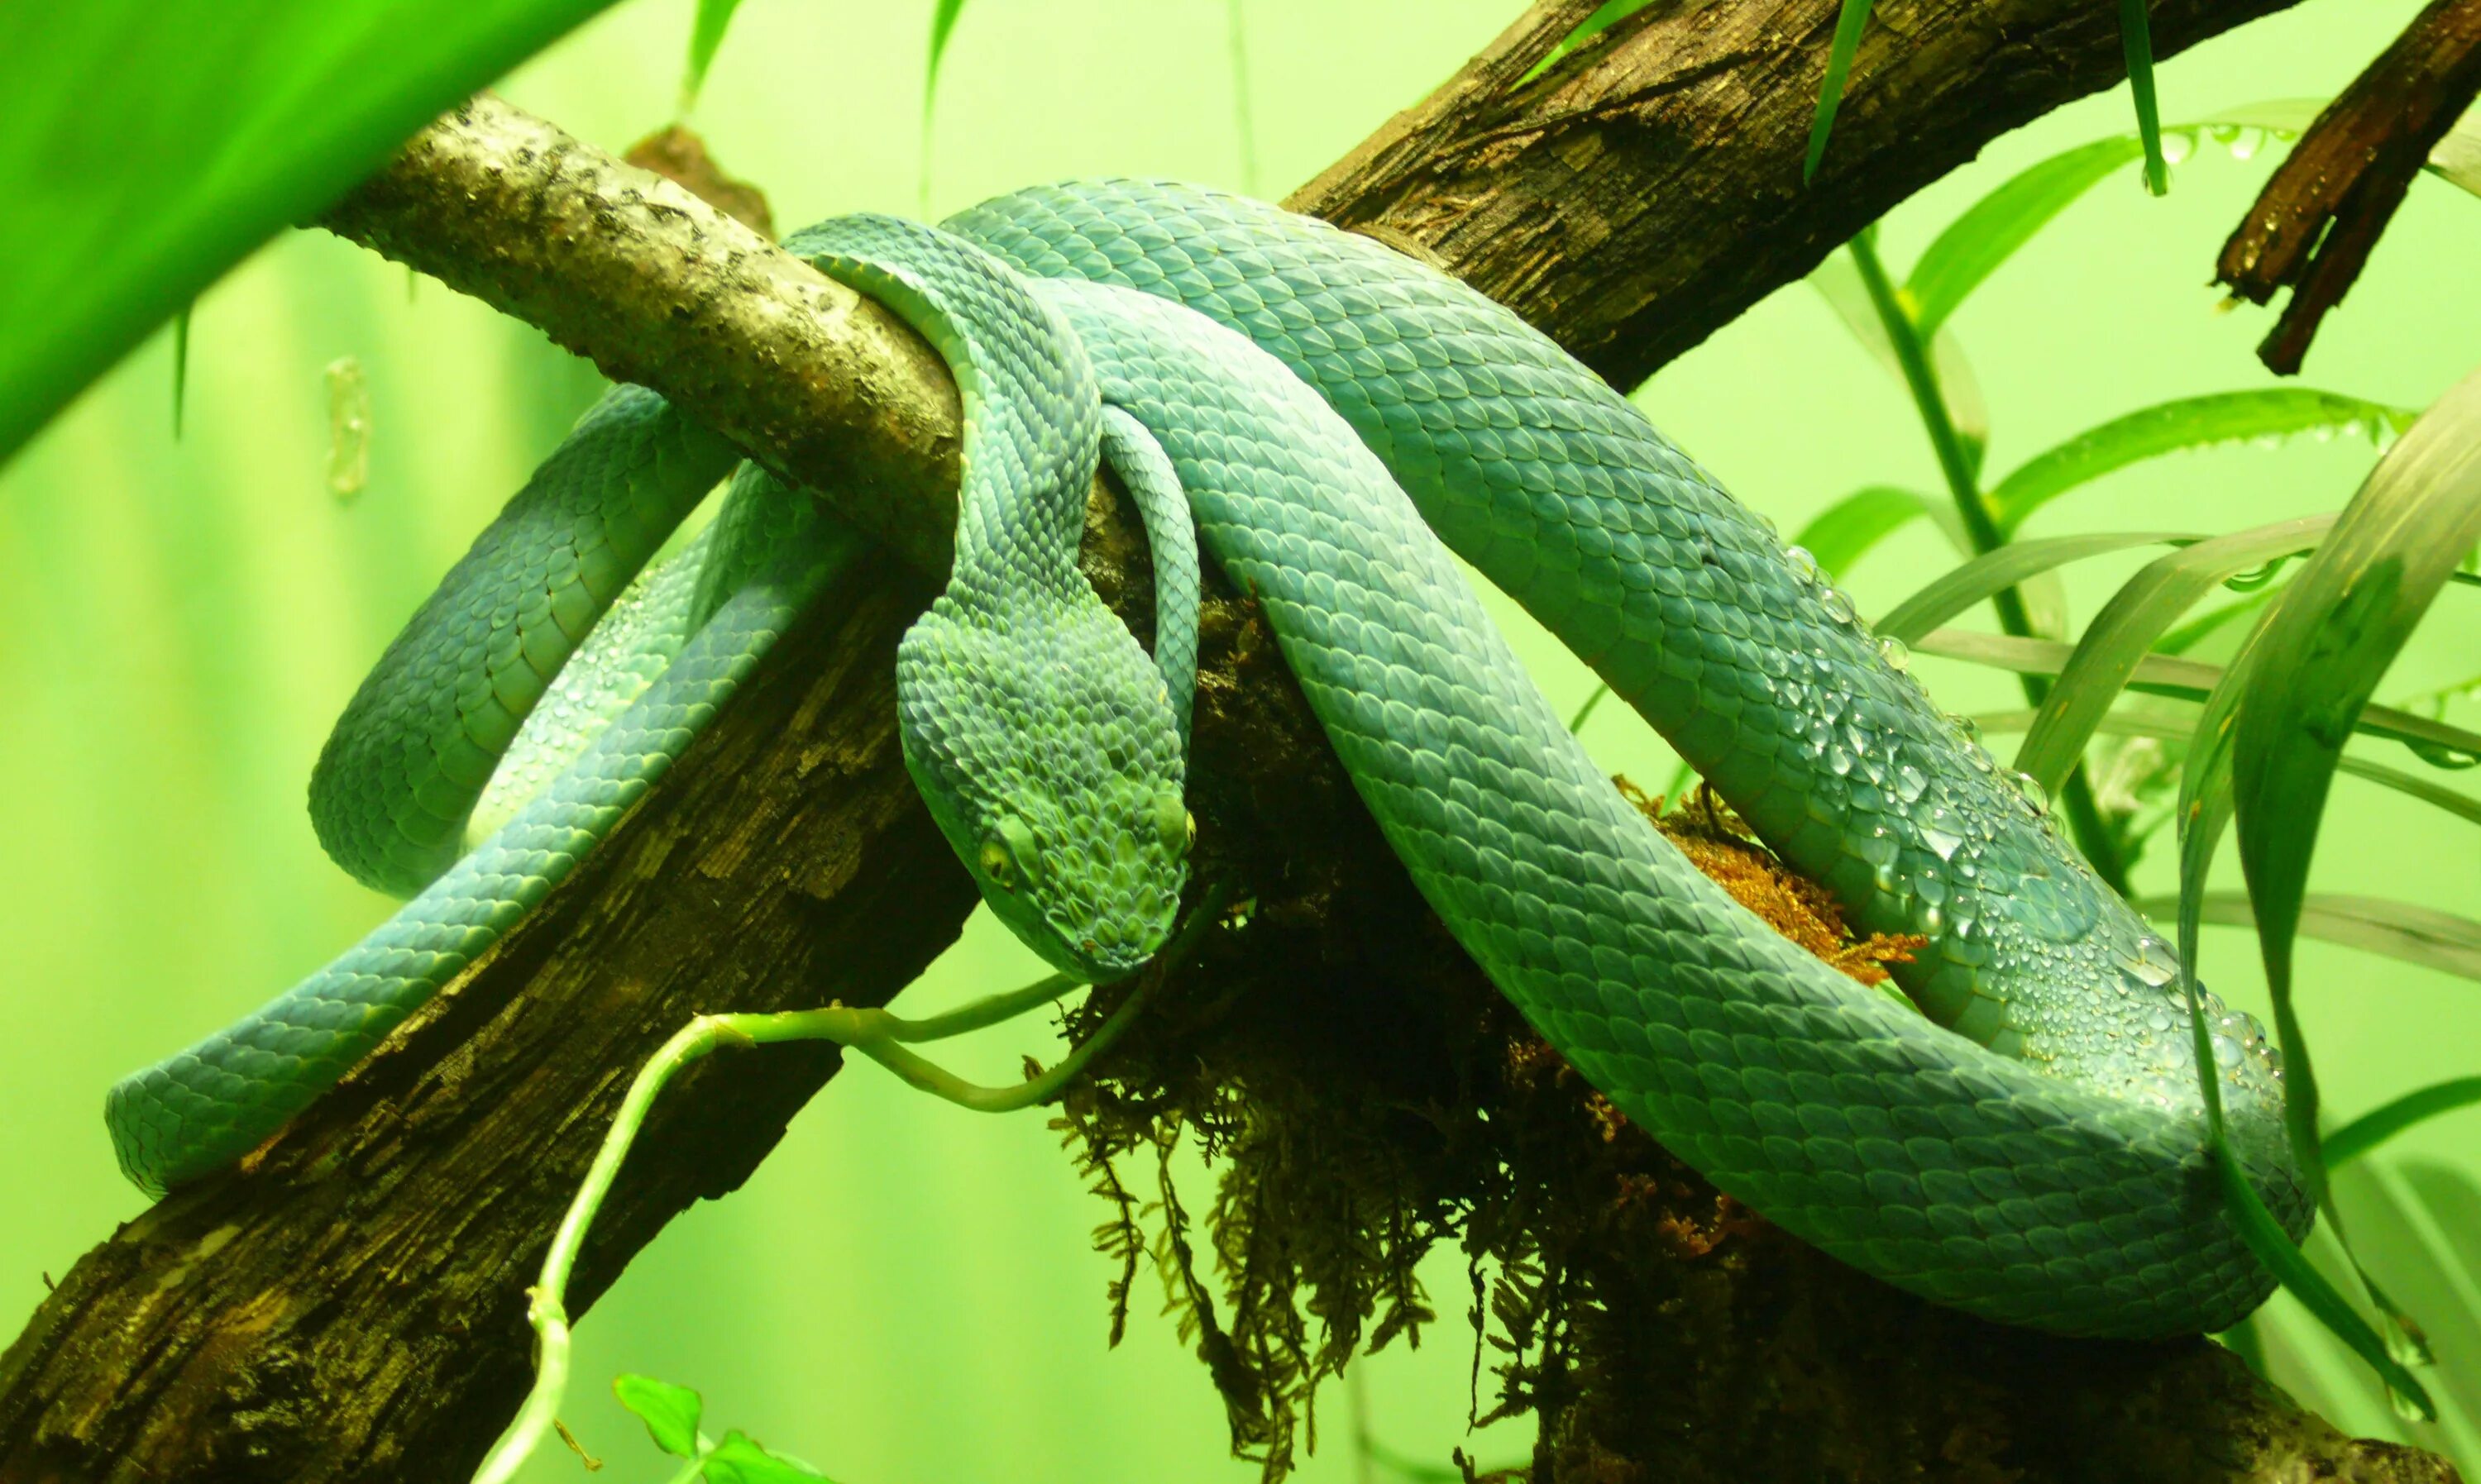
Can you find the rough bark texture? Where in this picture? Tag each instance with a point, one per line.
(2313, 225)
(350, 1304)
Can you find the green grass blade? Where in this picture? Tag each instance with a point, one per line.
(2326, 646)
(181, 365)
(1606, 15)
(943, 25)
(2125, 629)
(2196, 631)
(1992, 229)
(1992, 572)
(204, 129)
(706, 37)
(2383, 1123)
(2189, 423)
(1842, 533)
(1849, 27)
(2377, 924)
(2189, 680)
(2125, 723)
(2137, 41)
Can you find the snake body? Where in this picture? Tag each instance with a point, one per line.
(2033, 1150)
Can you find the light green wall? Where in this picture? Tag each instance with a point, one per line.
(903, 1294)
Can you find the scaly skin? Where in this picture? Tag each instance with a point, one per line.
(2041, 1161)
(2032, 1152)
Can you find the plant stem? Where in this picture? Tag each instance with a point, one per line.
(875, 1034)
(1913, 354)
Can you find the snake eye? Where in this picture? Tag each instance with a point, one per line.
(1010, 855)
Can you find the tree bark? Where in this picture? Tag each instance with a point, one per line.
(348, 1303)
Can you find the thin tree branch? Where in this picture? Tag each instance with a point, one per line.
(349, 1303)
(2314, 225)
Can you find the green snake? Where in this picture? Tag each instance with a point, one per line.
(2028, 1145)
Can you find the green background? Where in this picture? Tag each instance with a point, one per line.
(904, 1294)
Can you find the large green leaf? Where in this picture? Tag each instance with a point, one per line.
(2325, 646)
(2125, 629)
(2189, 423)
(150, 147)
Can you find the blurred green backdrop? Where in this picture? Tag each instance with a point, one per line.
(904, 1293)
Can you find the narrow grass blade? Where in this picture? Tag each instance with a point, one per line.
(2378, 925)
(2325, 647)
(706, 36)
(2124, 631)
(2125, 723)
(943, 25)
(1842, 533)
(202, 128)
(181, 365)
(2189, 680)
(1849, 27)
(2189, 423)
(1606, 15)
(2383, 1123)
(1991, 572)
(2196, 631)
(2137, 41)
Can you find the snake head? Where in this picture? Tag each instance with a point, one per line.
(1045, 749)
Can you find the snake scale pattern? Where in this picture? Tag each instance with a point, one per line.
(1337, 420)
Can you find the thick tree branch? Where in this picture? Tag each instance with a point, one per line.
(2320, 213)
(350, 1304)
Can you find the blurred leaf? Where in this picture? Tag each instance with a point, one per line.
(1849, 27)
(2325, 647)
(1990, 232)
(1839, 282)
(2196, 631)
(1838, 536)
(2191, 422)
(153, 145)
(2137, 41)
(943, 24)
(2398, 929)
(2124, 633)
(181, 364)
(1576, 722)
(1606, 15)
(669, 1412)
(706, 35)
(2383, 1123)
(1991, 572)
(737, 1460)
(2125, 722)
(2189, 680)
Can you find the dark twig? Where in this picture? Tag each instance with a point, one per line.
(2313, 225)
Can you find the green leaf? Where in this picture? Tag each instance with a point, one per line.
(670, 1412)
(943, 25)
(2190, 421)
(181, 364)
(2125, 629)
(2326, 646)
(1996, 571)
(2381, 1123)
(1830, 95)
(1839, 282)
(2125, 723)
(2203, 809)
(2188, 680)
(151, 146)
(706, 36)
(2137, 41)
(1838, 536)
(1606, 15)
(737, 1460)
(2396, 929)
